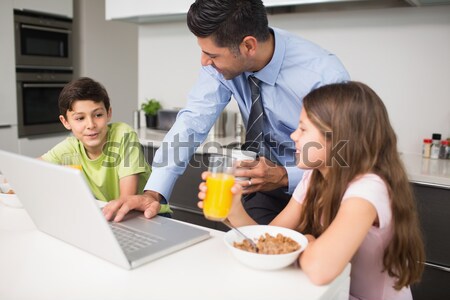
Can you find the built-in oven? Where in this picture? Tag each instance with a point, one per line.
(37, 101)
(42, 41)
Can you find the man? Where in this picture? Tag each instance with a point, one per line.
(268, 72)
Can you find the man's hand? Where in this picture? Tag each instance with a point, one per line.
(148, 203)
(264, 175)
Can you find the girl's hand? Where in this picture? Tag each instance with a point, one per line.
(236, 190)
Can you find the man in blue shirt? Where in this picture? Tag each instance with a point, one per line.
(236, 42)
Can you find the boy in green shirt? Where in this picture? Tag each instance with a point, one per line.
(112, 159)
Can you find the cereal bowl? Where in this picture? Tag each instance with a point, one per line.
(264, 261)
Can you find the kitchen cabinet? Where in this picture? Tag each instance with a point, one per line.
(8, 109)
(183, 200)
(37, 146)
(56, 7)
(138, 11)
(8, 138)
(433, 204)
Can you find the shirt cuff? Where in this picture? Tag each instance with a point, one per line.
(162, 182)
(294, 176)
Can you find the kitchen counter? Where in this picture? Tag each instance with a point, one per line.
(426, 171)
(212, 145)
(37, 266)
(434, 172)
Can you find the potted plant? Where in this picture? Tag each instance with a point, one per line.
(150, 108)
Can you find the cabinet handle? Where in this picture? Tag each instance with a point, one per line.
(46, 29)
(43, 85)
(439, 267)
(5, 125)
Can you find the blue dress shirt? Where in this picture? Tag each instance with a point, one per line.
(297, 67)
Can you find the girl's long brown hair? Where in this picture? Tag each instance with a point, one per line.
(355, 116)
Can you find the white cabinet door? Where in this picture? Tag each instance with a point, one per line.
(57, 7)
(37, 146)
(8, 108)
(8, 138)
(145, 10)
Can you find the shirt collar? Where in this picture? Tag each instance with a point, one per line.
(269, 73)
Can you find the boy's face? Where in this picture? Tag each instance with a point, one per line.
(88, 122)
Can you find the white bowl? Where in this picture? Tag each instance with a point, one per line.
(264, 261)
(10, 200)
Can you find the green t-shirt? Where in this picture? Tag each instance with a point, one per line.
(122, 156)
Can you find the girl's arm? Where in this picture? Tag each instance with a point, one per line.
(129, 185)
(325, 258)
(289, 217)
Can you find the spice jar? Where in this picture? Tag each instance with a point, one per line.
(426, 148)
(443, 149)
(435, 146)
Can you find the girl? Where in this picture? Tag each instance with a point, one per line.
(354, 203)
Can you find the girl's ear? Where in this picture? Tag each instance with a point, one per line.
(64, 122)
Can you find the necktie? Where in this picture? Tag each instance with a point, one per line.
(254, 135)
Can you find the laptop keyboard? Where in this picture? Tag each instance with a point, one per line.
(131, 240)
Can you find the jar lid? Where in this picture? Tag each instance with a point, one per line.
(444, 142)
(427, 141)
(437, 136)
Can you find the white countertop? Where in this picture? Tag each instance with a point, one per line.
(154, 138)
(34, 265)
(435, 172)
(420, 170)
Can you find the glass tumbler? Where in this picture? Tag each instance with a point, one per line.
(218, 199)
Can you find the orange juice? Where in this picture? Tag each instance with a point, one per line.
(75, 167)
(217, 203)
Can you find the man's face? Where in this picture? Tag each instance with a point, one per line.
(228, 63)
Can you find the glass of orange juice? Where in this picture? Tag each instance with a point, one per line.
(218, 199)
(72, 160)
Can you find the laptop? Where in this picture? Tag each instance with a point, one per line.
(60, 203)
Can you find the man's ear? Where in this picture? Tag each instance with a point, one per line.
(248, 45)
(64, 122)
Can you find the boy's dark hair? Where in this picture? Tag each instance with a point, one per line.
(83, 88)
(228, 21)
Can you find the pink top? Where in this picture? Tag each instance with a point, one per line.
(367, 279)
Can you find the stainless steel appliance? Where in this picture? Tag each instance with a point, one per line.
(166, 118)
(42, 41)
(37, 101)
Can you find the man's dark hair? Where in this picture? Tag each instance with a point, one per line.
(83, 88)
(228, 21)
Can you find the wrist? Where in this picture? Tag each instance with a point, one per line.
(155, 196)
(284, 178)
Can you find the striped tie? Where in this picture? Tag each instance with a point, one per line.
(254, 135)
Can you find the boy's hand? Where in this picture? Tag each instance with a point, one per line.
(148, 203)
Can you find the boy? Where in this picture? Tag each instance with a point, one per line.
(111, 156)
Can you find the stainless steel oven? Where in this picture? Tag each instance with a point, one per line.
(37, 101)
(42, 41)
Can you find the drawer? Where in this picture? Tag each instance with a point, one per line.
(433, 204)
(434, 285)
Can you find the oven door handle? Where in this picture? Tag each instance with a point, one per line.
(43, 85)
(45, 28)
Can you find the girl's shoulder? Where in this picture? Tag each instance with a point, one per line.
(368, 183)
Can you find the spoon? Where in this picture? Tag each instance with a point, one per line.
(229, 225)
